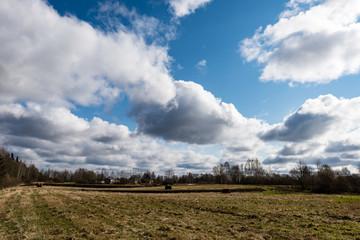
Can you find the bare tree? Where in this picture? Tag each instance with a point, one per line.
(236, 174)
(218, 169)
(169, 173)
(318, 164)
(253, 167)
(220, 173)
(344, 171)
(301, 173)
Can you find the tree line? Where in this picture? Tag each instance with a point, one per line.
(323, 179)
(14, 171)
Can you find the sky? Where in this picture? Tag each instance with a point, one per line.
(180, 84)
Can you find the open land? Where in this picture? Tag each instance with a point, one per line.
(71, 213)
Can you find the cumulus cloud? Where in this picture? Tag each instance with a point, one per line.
(194, 115)
(54, 137)
(326, 128)
(37, 122)
(299, 127)
(181, 8)
(45, 57)
(51, 64)
(313, 42)
(294, 149)
(342, 147)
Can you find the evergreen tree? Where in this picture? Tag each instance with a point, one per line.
(3, 170)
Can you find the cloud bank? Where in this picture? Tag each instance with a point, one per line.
(51, 64)
(55, 137)
(326, 129)
(313, 42)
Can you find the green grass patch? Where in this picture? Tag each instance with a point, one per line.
(347, 199)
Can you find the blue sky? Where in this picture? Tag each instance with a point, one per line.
(213, 34)
(180, 84)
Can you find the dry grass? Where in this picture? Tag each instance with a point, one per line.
(63, 213)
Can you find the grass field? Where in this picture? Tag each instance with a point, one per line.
(67, 213)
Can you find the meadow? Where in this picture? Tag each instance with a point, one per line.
(49, 212)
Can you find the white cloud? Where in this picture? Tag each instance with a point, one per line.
(194, 115)
(48, 58)
(326, 128)
(201, 65)
(293, 3)
(311, 43)
(182, 8)
(111, 14)
(54, 137)
(52, 63)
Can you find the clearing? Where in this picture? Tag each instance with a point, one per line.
(69, 213)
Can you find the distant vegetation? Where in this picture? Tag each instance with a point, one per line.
(321, 180)
(14, 171)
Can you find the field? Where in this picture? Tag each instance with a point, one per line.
(68, 213)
